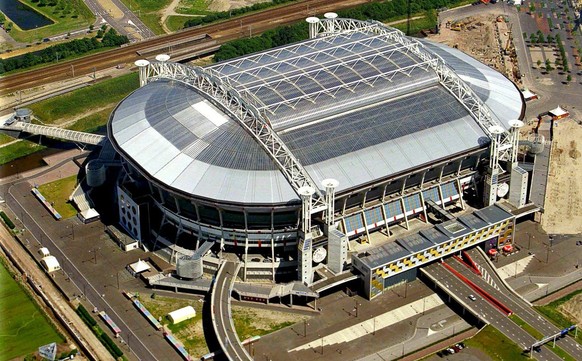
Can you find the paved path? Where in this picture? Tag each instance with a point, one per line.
(371, 325)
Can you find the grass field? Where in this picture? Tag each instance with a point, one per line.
(496, 345)
(63, 107)
(193, 7)
(94, 123)
(149, 12)
(66, 15)
(250, 322)
(18, 150)
(23, 327)
(58, 193)
(5, 138)
(175, 23)
(552, 312)
(529, 329)
(189, 332)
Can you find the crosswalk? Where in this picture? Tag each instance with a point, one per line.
(487, 277)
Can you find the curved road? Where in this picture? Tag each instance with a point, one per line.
(221, 314)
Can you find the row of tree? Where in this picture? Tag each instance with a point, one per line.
(381, 11)
(110, 38)
(222, 15)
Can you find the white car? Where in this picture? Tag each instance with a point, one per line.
(472, 298)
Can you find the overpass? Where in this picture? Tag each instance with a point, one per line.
(457, 289)
(222, 315)
(511, 299)
(55, 132)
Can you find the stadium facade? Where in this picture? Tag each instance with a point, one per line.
(290, 152)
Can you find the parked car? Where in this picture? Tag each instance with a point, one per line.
(472, 298)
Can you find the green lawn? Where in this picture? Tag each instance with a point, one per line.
(250, 322)
(5, 138)
(94, 123)
(18, 150)
(58, 193)
(193, 7)
(24, 327)
(67, 15)
(189, 332)
(149, 12)
(496, 345)
(58, 109)
(552, 313)
(175, 23)
(529, 329)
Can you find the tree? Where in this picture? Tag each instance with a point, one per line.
(541, 38)
(2, 18)
(569, 78)
(539, 63)
(550, 38)
(91, 27)
(533, 38)
(548, 66)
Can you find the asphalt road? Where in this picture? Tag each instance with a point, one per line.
(486, 311)
(120, 25)
(222, 319)
(515, 303)
(14, 200)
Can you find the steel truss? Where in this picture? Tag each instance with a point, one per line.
(60, 133)
(308, 50)
(228, 99)
(447, 77)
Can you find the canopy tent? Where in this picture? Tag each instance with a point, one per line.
(559, 113)
(138, 267)
(528, 95)
(492, 252)
(508, 248)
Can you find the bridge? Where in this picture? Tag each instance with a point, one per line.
(55, 132)
(222, 314)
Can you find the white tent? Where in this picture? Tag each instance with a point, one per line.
(528, 95)
(50, 264)
(139, 267)
(182, 314)
(559, 113)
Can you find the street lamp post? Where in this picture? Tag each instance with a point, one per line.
(305, 328)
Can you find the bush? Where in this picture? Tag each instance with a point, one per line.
(7, 220)
(86, 316)
(110, 344)
(62, 51)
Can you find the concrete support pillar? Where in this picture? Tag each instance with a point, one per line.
(313, 24)
(142, 65)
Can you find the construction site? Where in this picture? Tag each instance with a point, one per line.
(486, 37)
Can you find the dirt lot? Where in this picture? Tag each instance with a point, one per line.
(484, 38)
(573, 308)
(223, 5)
(563, 197)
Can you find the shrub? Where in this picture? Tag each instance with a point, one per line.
(7, 220)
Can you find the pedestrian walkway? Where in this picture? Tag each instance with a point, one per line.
(375, 324)
(514, 268)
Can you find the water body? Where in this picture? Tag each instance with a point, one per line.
(23, 15)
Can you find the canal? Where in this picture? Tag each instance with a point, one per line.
(23, 15)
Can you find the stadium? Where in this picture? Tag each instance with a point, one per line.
(278, 159)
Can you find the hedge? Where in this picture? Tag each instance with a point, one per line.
(7, 220)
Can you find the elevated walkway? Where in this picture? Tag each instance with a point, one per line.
(55, 132)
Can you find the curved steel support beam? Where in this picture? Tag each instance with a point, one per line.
(448, 78)
(242, 110)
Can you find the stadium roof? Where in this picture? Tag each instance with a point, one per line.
(356, 106)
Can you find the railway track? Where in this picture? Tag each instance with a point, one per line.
(235, 28)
